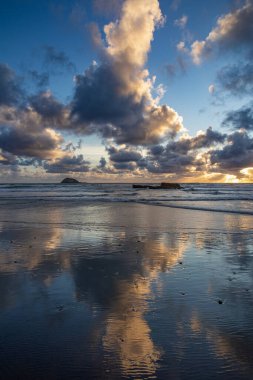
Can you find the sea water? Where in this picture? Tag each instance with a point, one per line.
(235, 198)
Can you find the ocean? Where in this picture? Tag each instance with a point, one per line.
(232, 198)
(103, 281)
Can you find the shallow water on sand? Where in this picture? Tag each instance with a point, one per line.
(111, 291)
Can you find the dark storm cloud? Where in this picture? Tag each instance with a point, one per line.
(180, 156)
(102, 162)
(97, 98)
(237, 79)
(57, 58)
(130, 166)
(124, 158)
(47, 106)
(10, 90)
(187, 144)
(170, 159)
(207, 139)
(123, 155)
(103, 167)
(176, 157)
(236, 154)
(24, 133)
(157, 150)
(49, 111)
(68, 164)
(240, 119)
(8, 159)
(30, 143)
(99, 106)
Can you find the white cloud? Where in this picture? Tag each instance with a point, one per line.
(119, 91)
(234, 29)
(211, 89)
(181, 47)
(181, 22)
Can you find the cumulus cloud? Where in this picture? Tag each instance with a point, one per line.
(232, 31)
(181, 47)
(47, 106)
(210, 154)
(237, 79)
(102, 162)
(123, 155)
(23, 134)
(49, 111)
(7, 158)
(115, 98)
(10, 90)
(207, 139)
(28, 135)
(235, 155)
(182, 155)
(125, 158)
(240, 119)
(68, 164)
(70, 147)
(179, 157)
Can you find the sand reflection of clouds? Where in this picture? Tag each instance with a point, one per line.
(234, 348)
(32, 245)
(128, 334)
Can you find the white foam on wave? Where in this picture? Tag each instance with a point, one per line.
(236, 199)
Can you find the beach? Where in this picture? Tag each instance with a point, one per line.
(101, 290)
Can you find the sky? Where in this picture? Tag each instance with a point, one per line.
(126, 90)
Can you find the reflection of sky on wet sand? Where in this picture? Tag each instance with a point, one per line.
(125, 291)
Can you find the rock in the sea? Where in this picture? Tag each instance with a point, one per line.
(69, 180)
(140, 186)
(164, 185)
(168, 185)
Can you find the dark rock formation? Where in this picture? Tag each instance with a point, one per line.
(69, 180)
(140, 186)
(164, 185)
(167, 185)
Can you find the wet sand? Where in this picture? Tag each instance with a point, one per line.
(111, 291)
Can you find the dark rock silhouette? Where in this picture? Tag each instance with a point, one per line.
(69, 180)
(164, 185)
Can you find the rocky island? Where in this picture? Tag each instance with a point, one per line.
(70, 180)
